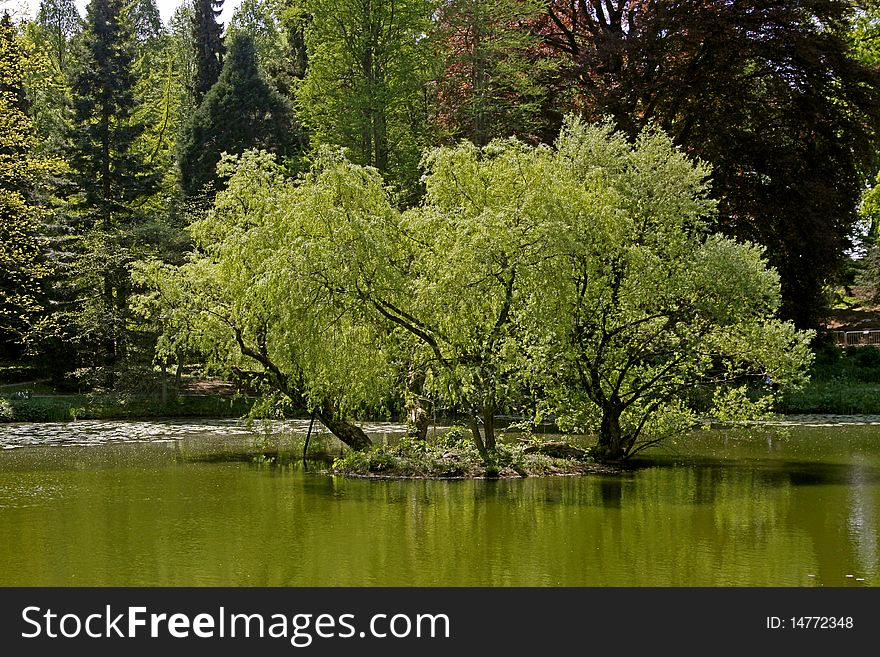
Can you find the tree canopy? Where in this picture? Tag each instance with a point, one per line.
(768, 92)
(22, 251)
(581, 279)
(364, 84)
(208, 45)
(241, 111)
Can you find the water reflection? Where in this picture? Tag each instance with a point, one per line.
(722, 509)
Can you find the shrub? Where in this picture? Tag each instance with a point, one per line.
(6, 412)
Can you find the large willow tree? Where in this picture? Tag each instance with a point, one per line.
(584, 277)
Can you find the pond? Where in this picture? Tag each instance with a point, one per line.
(173, 504)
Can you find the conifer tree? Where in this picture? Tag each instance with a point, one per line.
(111, 176)
(208, 42)
(240, 112)
(147, 22)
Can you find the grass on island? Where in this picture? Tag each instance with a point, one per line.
(453, 455)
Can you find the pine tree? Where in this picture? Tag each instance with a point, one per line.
(260, 19)
(241, 111)
(110, 174)
(208, 42)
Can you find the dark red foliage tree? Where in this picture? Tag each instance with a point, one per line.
(767, 91)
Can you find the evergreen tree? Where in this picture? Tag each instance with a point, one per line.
(111, 176)
(240, 112)
(208, 41)
(144, 15)
(260, 19)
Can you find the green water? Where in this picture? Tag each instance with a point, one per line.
(154, 504)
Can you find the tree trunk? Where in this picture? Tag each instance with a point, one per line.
(486, 441)
(489, 426)
(348, 433)
(417, 419)
(416, 415)
(110, 337)
(611, 445)
(478, 439)
(178, 372)
(164, 383)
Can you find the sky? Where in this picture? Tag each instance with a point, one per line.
(166, 7)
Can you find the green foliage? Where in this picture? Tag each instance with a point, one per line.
(114, 180)
(7, 414)
(145, 19)
(832, 398)
(259, 19)
(247, 298)
(207, 45)
(241, 111)
(109, 172)
(492, 82)
(865, 32)
(59, 21)
(22, 176)
(842, 381)
(768, 92)
(64, 408)
(645, 302)
(583, 276)
(363, 89)
(180, 38)
(451, 457)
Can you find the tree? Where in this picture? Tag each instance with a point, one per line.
(364, 87)
(491, 83)
(23, 264)
(240, 112)
(294, 19)
(247, 299)
(207, 35)
(185, 61)
(259, 19)
(49, 41)
(584, 277)
(60, 21)
(865, 32)
(586, 273)
(147, 23)
(641, 305)
(111, 177)
(768, 92)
